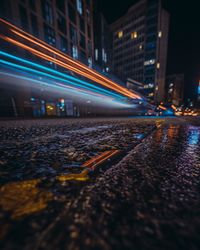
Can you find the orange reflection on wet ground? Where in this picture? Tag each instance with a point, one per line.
(97, 160)
(91, 164)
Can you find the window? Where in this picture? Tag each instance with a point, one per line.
(158, 65)
(82, 24)
(149, 62)
(82, 41)
(88, 2)
(79, 5)
(120, 34)
(61, 22)
(160, 34)
(49, 35)
(89, 31)
(63, 44)
(32, 5)
(23, 17)
(134, 35)
(73, 34)
(47, 12)
(34, 25)
(96, 54)
(74, 51)
(61, 5)
(72, 13)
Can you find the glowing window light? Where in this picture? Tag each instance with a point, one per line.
(120, 34)
(160, 34)
(158, 65)
(134, 35)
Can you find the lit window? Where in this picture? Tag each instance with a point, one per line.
(96, 54)
(90, 62)
(79, 6)
(75, 52)
(158, 65)
(171, 84)
(104, 55)
(160, 34)
(134, 35)
(120, 34)
(151, 94)
(149, 62)
(156, 88)
(140, 47)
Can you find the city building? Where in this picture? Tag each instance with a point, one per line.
(66, 25)
(175, 89)
(140, 43)
(102, 40)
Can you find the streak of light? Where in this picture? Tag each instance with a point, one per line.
(59, 74)
(67, 58)
(162, 107)
(60, 63)
(52, 77)
(64, 65)
(103, 100)
(96, 161)
(91, 164)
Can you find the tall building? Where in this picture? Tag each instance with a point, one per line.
(140, 41)
(64, 24)
(102, 40)
(175, 89)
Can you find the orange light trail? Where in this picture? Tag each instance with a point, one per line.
(162, 107)
(94, 162)
(83, 70)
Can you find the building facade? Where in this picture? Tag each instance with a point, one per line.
(140, 42)
(175, 89)
(102, 40)
(64, 24)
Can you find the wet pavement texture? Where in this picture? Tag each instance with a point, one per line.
(148, 199)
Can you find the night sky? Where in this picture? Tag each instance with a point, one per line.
(184, 37)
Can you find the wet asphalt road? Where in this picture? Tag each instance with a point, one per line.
(149, 199)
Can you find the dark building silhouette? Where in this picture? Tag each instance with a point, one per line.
(175, 89)
(102, 40)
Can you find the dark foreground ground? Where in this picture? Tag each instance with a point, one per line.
(147, 197)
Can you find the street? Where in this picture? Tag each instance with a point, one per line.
(102, 183)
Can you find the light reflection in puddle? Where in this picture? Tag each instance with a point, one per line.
(193, 136)
(23, 198)
(138, 136)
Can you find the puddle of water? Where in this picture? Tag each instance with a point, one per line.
(193, 135)
(139, 136)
